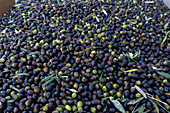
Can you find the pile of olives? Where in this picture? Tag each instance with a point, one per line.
(92, 56)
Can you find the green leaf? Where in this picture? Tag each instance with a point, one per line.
(164, 39)
(24, 74)
(33, 53)
(140, 91)
(105, 109)
(23, 49)
(95, 82)
(48, 82)
(131, 70)
(166, 26)
(105, 98)
(47, 78)
(117, 104)
(141, 109)
(166, 75)
(100, 78)
(132, 102)
(149, 2)
(87, 49)
(155, 105)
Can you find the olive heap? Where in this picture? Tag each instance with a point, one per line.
(85, 56)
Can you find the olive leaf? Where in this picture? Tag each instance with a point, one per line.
(140, 91)
(146, 18)
(43, 16)
(47, 78)
(4, 31)
(162, 107)
(95, 82)
(101, 85)
(105, 25)
(11, 101)
(155, 105)
(64, 3)
(87, 49)
(148, 111)
(69, 97)
(17, 32)
(73, 90)
(97, 19)
(166, 35)
(24, 74)
(23, 49)
(166, 26)
(61, 106)
(99, 30)
(149, 2)
(141, 108)
(64, 73)
(16, 89)
(158, 100)
(155, 68)
(52, 25)
(33, 53)
(106, 98)
(117, 104)
(48, 82)
(166, 75)
(10, 21)
(3, 56)
(105, 109)
(131, 70)
(133, 22)
(17, 5)
(123, 99)
(58, 1)
(133, 111)
(6, 71)
(104, 11)
(19, 42)
(132, 102)
(100, 78)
